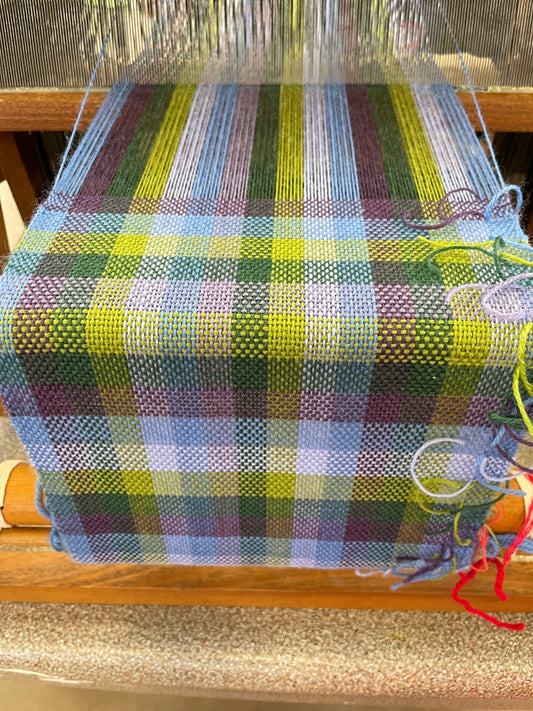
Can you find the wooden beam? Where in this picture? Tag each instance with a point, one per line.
(24, 537)
(46, 110)
(57, 110)
(19, 500)
(503, 112)
(44, 576)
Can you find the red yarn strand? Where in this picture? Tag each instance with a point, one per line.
(465, 578)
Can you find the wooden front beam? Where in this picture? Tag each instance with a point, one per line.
(57, 110)
(45, 576)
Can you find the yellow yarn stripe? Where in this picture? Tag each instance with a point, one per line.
(425, 172)
(290, 170)
(157, 169)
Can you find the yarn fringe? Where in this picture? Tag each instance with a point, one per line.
(502, 423)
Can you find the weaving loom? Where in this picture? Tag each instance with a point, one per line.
(275, 310)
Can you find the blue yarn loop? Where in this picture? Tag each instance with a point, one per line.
(506, 190)
(54, 538)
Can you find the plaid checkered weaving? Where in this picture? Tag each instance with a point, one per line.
(223, 341)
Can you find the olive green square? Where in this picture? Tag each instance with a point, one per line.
(420, 273)
(250, 373)
(74, 369)
(89, 266)
(252, 506)
(254, 269)
(118, 504)
(390, 511)
(425, 379)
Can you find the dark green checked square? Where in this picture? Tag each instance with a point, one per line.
(86, 504)
(250, 374)
(89, 266)
(420, 273)
(252, 506)
(118, 504)
(425, 379)
(254, 269)
(390, 511)
(73, 369)
(121, 267)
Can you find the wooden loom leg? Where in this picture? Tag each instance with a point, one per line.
(22, 175)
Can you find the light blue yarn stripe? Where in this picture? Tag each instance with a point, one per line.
(343, 170)
(76, 170)
(466, 150)
(211, 167)
(484, 180)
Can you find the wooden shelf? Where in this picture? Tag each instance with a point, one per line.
(57, 110)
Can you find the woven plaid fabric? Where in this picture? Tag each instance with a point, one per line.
(224, 340)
